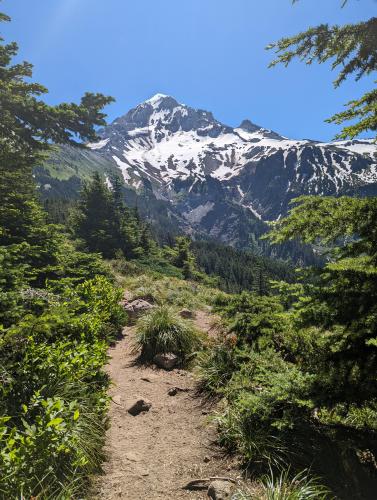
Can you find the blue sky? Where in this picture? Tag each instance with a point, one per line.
(207, 53)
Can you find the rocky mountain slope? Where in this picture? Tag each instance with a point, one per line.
(211, 179)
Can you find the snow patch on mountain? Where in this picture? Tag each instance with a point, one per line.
(98, 145)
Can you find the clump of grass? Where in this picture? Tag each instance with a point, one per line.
(216, 366)
(300, 487)
(162, 331)
(283, 487)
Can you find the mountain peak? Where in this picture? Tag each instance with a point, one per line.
(161, 99)
(156, 98)
(249, 126)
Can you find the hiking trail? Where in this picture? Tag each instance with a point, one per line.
(154, 454)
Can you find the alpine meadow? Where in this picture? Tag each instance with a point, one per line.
(188, 308)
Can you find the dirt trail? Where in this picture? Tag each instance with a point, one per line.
(153, 455)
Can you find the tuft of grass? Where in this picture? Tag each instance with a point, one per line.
(162, 331)
(284, 487)
(300, 487)
(216, 366)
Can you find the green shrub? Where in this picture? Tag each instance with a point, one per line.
(161, 331)
(57, 441)
(53, 394)
(258, 321)
(266, 398)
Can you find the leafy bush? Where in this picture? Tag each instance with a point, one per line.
(53, 394)
(161, 331)
(56, 441)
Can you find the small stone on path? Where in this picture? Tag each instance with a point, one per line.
(139, 406)
(131, 456)
(137, 307)
(220, 490)
(117, 399)
(167, 361)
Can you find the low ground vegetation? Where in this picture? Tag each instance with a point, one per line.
(161, 331)
(53, 401)
(283, 486)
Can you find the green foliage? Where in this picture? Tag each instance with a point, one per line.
(281, 486)
(267, 397)
(28, 124)
(169, 290)
(183, 258)
(56, 440)
(53, 400)
(256, 320)
(57, 309)
(297, 370)
(299, 487)
(343, 298)
(106, 225)
(12, 280)
(353, 48)
(161, 331)
(237, 270)
(216, 365)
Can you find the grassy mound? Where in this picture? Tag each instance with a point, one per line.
(162, 331)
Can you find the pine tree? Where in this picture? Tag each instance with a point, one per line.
(146, 241)
(96, 220)
(106, 225)
(184, 258)
(342, 299)
(28, 128)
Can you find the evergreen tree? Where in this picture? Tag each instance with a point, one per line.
(184, 258)
(146, 241)
(96, 219)
(239, 270)
(106, 225)
(28, 128)
(28, 125)
(342, 298)
(353, 48)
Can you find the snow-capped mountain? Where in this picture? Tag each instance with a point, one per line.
(188, 172)
(179, 149)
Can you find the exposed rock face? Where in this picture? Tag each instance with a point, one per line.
(220, 490)
(167, 361)
(140, 406)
